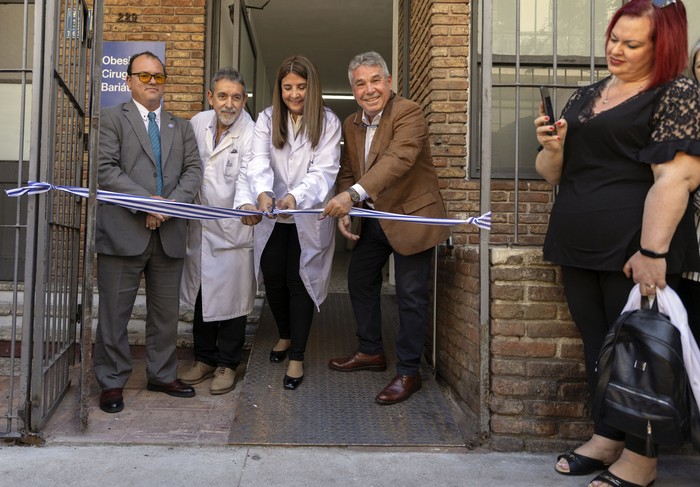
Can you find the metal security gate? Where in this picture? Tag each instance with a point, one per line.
(54, 220)
(15, 92)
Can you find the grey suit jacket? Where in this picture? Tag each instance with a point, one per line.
(127, 165)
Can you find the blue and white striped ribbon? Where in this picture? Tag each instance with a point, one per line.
(199, 212)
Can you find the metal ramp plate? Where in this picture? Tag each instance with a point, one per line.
(333, 408)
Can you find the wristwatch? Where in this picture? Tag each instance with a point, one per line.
(354, 195)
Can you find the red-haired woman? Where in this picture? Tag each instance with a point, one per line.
(626, 157)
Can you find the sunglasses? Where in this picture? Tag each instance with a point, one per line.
(146, 77)
(662, 3)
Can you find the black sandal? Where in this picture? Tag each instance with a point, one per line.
(610, 478)
(580, 464)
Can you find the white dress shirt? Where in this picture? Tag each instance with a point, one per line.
(370, 130)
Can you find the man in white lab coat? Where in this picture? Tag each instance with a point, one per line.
(218, 276)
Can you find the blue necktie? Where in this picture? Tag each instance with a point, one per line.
(154, 135)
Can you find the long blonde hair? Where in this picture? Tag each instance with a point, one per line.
(312, 121)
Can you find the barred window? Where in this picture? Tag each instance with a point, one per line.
(559, 44)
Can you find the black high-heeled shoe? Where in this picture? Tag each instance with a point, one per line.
(292, 383)
(278, 356)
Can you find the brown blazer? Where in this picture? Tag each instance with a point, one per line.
(400, 176)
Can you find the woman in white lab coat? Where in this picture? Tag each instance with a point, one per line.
(296, 153)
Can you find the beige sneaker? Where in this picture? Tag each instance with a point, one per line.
(198, 373)
(224, 381)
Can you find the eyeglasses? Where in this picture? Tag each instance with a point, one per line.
(662, 3)
(146, 77)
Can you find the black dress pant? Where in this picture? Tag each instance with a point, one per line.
(118, 279)
(365, 285)
(289, 301)
(596, 299)
(218, 343)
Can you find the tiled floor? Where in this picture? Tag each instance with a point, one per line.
(148, 417)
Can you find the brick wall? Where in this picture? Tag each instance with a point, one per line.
(534, 203)
(439, 82)
(538, 385)
(181, 25)
(439, 39)
(537, 397)
(458, 328)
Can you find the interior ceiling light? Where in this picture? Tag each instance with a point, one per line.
(338, 97)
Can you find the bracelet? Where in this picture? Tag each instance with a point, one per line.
(651, 254)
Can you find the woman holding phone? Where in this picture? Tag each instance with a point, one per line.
(626, 157)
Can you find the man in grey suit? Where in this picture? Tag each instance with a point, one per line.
(144, 151)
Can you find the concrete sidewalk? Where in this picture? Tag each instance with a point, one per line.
(172, 466)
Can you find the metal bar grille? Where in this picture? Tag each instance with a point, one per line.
(13, 224)
(58, 223)
(535, 42)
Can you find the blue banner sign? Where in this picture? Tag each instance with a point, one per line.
(115, 59)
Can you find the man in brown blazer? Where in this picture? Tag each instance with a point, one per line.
(144, 151)
(386, 165)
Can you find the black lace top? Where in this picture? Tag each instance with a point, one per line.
(596, 220)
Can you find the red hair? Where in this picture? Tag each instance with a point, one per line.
(669, 34)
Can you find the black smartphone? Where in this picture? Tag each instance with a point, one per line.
(547, 101)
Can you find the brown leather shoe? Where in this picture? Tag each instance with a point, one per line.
(176, 388)
(399, 389)
(359, 361)
(112, 400)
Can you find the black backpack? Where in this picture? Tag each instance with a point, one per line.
(642, 385)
